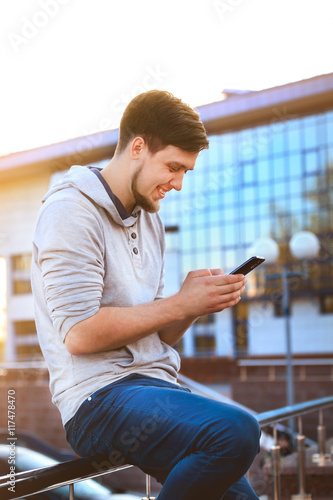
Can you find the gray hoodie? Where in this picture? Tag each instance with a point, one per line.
(85, 256)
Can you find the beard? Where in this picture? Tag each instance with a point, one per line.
(141, 200)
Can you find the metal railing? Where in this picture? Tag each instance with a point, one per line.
(274, 364)
(68, 473)
(321, 458)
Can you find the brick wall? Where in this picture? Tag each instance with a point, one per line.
(34, 411)
(210, 370)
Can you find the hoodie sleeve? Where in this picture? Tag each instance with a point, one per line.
(70, 256)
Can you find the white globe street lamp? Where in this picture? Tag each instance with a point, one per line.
(268, 248)
(304, 245)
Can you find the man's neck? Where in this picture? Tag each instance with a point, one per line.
(118, 176)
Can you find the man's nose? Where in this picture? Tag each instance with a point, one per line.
(177, 181)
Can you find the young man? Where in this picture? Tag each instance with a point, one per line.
(105, 329)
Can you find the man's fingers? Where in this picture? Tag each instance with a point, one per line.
(217, 272)
(230, 303)
(232, 295)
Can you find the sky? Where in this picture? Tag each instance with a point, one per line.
(69, 67)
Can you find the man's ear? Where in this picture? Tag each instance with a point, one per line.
(137, 148)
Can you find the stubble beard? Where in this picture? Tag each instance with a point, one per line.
(141, 200)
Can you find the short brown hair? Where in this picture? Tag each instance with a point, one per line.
(162, 119)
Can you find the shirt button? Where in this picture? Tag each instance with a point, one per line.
(90, 398)
(133, 236)
(135, 250)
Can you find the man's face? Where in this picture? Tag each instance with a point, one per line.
(158, 173)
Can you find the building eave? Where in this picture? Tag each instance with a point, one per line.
(55, 157)
(270, 105)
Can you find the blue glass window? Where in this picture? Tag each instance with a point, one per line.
(249, 210)
(280, 190)
(264, 227)
(215, 237)
(229, 197)
(249, 194)
(330, 128)
(311, 183)
(249, 173)
(228, 149)
(264, 170)
(214, 260)
(263, 140)
(310, 132)
(265, 191)
(278, 139)
(250, 232)
(295, 164)
(214, 154)
(228, 260)
(294, 136)
(280, 167)
(229, 234)
(295, 188)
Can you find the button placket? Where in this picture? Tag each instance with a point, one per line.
(133, 242)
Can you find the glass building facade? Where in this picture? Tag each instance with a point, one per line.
(271, 180)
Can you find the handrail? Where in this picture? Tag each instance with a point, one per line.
(282, 362)
(270, 417)
(39, 480)
(48, 478)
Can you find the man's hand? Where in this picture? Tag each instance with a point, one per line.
(204, 291)
(209, 290)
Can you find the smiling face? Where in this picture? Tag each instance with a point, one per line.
(158, 173)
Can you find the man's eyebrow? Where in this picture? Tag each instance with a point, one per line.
(174, 163)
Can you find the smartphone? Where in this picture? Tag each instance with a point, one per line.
(248, 265)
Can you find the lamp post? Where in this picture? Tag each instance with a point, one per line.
(303, 245)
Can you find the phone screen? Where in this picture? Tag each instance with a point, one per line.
(248, 265)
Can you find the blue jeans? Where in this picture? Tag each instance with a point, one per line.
(196, 447)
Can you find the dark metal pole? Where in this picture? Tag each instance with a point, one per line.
(148, 489)
(286, 310)
(71, 491)
(289, 359)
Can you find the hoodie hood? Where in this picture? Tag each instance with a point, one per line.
(86, 182)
